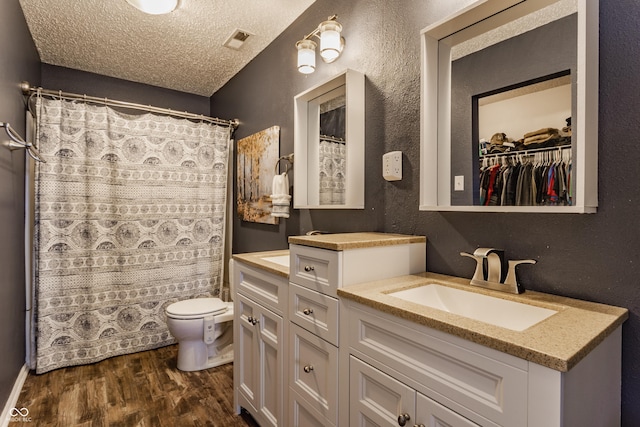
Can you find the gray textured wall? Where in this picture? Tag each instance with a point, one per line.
(81, 82)
(593, 257)
(19, 61)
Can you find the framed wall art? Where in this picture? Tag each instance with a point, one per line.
(257, 159)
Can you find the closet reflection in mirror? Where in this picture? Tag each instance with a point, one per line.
(518, 62)
(524, 144)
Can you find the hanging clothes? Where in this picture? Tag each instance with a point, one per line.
(540, 179)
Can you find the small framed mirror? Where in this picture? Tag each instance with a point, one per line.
(509, 108)
(329, 144)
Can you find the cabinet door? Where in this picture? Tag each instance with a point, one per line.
(260, 361)
(246, 358)
(376, 399)
(431, 414)
(270, 367)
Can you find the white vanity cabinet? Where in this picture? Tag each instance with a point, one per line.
(313, 336)
(260, 335)
(401, 371)
(318, 362)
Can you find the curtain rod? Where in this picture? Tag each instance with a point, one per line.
(330, 138)
(30, 91)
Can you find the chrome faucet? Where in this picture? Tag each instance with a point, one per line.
(493, 273)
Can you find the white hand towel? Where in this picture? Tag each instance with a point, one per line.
(280, 197)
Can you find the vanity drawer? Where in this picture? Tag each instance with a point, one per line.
(314, 372)
(457, 373)
(316, 312)
(314, 268)
(268, 289)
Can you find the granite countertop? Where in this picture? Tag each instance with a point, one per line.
(256, 259)
(558, 342)
(344, 241)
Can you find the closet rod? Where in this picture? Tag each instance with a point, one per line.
(30, 91)
(525, 152)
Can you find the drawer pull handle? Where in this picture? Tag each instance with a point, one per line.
(418, 425)
(403, 418)
(309, 268)
(252, 320)
(307, 311)
(308, 368)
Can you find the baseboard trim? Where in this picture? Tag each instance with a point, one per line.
(13, 397)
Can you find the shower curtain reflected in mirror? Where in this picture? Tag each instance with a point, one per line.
(130, 217)
(332, 156)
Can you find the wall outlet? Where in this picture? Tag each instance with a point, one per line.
(392, 166)
(458, 183)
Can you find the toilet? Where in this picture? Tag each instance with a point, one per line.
(204, 331)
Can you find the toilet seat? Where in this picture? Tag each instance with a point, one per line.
(196, 308)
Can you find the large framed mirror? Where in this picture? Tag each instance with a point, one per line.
(509, 108)
(329, 144)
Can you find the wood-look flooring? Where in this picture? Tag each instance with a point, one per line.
(142, 389)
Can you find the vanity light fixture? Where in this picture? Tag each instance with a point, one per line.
(331, 45)
(154, 7)
(306, 56)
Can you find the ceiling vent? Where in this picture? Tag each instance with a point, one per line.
(236, 39)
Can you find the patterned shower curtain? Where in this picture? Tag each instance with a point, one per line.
(332, 171)
(130, 216)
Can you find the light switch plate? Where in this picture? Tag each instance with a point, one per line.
(392, 166)
(458, 183)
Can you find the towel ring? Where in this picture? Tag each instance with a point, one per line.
(289, 160)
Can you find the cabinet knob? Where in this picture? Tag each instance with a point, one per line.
(308, 268)
(308, 368)
(418, 425)
(307, 311)
(403, 418)
(252, 320)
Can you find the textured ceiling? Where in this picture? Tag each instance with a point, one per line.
(181, 50)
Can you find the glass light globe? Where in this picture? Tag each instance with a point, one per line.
(154, 7)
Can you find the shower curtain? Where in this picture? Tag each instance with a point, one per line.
(130, 217)
(332, 156)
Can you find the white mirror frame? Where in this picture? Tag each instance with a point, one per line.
(305, 189)
(435, 109)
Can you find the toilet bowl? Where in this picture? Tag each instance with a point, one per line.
(204, 331)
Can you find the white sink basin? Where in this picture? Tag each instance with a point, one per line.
(496, 311)
(281, 259)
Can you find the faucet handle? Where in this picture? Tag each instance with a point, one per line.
(512, 279)
(479, 273)
(483, 252)
(495, 267)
